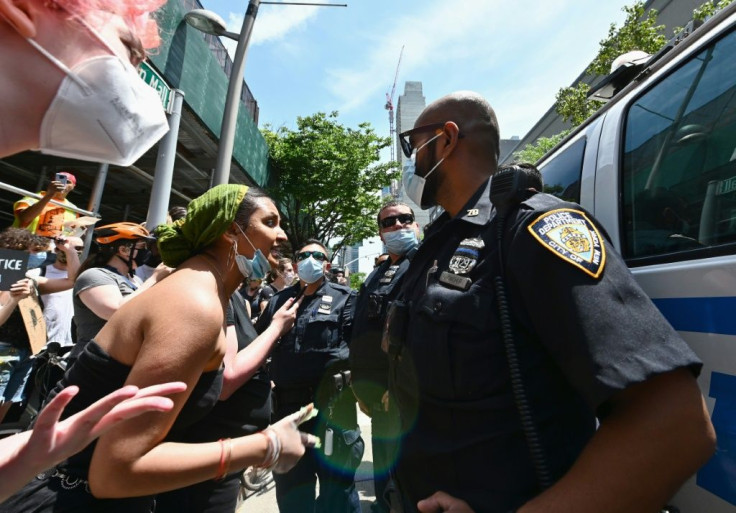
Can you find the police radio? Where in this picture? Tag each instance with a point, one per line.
(509, 187)
(513, 184)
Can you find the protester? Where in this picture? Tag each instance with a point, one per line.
(279, 278)
(244, 406)
(42, 217)
(107, 280)
(15, 342)
(309, 364)
(251, 293)
(530, 370)
(399, 232)
(172, 331)
(56, 47)
(58, 307)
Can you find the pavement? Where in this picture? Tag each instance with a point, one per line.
(264, 501)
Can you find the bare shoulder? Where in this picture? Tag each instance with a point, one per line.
(183, 310)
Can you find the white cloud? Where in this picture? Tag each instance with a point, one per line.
(442, 39)
(524, 49)
(273, 23)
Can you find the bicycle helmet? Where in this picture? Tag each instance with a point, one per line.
(120, 231)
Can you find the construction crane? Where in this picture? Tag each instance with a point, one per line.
(390, 107)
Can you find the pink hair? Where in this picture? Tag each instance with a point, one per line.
(136, 13)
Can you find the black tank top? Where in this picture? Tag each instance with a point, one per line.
(97, 374)
(248, 409)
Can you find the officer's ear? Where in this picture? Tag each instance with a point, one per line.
(449, 140)
(21, 15)
(328, 265)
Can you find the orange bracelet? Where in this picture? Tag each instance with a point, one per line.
(221, 468)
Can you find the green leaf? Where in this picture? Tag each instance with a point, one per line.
(327, 178)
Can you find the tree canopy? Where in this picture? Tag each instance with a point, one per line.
(639, 31)
(326, 179)
(533, 152)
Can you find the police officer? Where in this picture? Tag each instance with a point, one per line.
(368, 362)
(587, 343)
(309, 364)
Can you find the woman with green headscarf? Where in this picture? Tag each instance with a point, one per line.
(172, 332)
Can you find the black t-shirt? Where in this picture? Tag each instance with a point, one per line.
(584, 330)
(267, 293)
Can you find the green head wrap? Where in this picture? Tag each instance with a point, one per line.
(208, 217)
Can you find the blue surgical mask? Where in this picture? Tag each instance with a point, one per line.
(254, 268)
(414, 184)
(36, 259)
(400, 242)
(310, 270)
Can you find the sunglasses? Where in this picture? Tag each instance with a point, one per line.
(317, 255)
(389, 221)
(405, 143)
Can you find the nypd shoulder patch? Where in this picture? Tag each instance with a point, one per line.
(570, 235)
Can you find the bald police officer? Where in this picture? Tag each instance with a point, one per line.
(589, 343)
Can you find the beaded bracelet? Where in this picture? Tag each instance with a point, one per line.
(274, 449)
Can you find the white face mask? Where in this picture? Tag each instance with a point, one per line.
(103, 111)
(413, 183)
(310, 270)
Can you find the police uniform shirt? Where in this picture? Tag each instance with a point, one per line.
(583, 329)
(319, 338)
(368, 362)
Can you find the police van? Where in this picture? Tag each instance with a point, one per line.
(657, 167)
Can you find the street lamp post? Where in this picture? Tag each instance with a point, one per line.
(211, 23)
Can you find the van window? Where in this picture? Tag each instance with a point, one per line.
(562, 173)
(679, 162)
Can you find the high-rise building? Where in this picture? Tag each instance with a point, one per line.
(408, 108)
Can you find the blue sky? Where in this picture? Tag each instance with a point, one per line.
(302, 60)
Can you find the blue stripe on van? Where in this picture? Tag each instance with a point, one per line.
(700, 314)
(718, 476)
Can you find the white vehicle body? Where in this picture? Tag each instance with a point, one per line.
(657, 168)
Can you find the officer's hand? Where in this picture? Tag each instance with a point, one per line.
(285, 317)
(441, 502)
(293, 442)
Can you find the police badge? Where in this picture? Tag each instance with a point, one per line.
(466, 256)
(388, 276)
(462, 262)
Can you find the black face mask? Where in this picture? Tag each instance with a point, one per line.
(153, 260)
(142, 257)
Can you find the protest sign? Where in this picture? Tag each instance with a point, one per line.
(12, 267)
